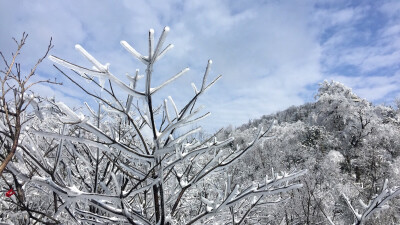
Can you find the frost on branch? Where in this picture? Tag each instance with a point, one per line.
(376, 204)
(129, 161)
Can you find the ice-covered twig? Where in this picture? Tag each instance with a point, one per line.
(174, 105)
(210, 204)
(137, 218)
(375, 205)
(60, 146)
(183, 136)
(166, 111)
(151, 42)
(182, 122)
(169, 47)
(203, 85)
(101, 146)
(160, 43)
(33, 148)
(90, 109)
(212, 83)
(100, 219)
(199, 150)
(136, 191)
(36, 108)
(154, 90)
(70, 116)
(132, 85)
(100, 74)
(117, 185)
(100, 67)
(354, 211)
(137, 55)
(276, 186)
(195, 89)
(70, 193)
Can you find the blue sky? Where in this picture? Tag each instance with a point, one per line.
(272, 54)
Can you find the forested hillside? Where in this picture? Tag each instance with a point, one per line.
(349, 146)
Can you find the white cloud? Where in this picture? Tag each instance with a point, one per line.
(338, 16)
(268, 53)
(365, 50)
(391, 8)
(391, 30)
(372, 88)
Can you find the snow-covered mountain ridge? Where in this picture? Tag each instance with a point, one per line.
(349, 146)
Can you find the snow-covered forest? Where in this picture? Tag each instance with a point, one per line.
(131, 160)
(349, 146)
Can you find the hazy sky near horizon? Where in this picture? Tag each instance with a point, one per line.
(272, 54)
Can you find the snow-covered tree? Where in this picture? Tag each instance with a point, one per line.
(129, 161)
(19, 106)
(349, 146)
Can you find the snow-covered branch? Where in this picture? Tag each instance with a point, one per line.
(376, 204)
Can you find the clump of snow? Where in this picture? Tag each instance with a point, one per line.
(335, 157)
